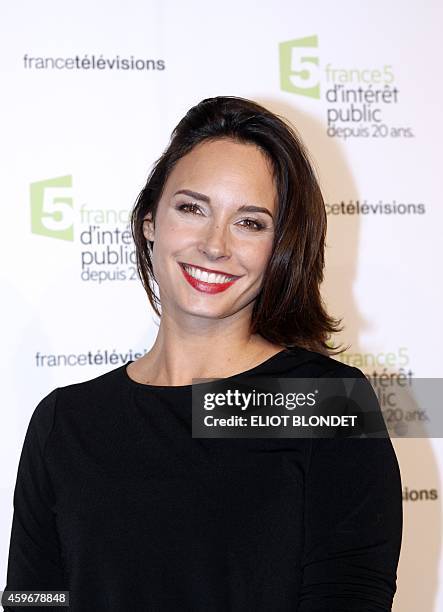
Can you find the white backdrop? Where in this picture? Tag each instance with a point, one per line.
(91, 92)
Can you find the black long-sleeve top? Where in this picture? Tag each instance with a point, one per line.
(118, 504)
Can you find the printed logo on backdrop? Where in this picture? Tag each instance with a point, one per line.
(88, 62)
(101, 237)
(392, 378)
(398, 391)
(389, 372)
(359, 102)
(413, 495)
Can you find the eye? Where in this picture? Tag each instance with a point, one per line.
(191, 207)
(257, 225)
(188, 207)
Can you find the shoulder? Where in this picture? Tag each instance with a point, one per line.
(107, 383)
(42, 419)
(89, 396)
(309, 363)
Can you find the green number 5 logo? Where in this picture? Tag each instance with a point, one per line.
(52, 212)
(299, 67)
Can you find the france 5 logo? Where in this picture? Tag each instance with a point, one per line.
(300, 66)
(52, 208)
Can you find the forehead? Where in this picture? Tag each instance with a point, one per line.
(225, 167)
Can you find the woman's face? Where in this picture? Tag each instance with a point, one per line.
(198, 223)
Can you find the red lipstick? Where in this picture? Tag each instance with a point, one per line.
(206, 287)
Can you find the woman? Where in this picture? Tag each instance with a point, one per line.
(115, 500)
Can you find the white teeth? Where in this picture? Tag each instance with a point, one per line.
(207, 277)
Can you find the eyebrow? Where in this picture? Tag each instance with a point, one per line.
(204, 198)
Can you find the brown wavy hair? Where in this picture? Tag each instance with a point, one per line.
(289, 309)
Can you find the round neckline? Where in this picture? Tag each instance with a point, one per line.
(184, 387)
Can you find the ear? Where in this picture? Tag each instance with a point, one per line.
(148, 227)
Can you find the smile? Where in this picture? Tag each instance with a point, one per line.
(205, 280)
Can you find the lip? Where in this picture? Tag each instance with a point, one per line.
(203, 286)
(183, 263)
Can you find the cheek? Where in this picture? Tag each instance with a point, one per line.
(172, 237)
(256, 254)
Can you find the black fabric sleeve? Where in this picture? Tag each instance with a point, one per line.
(34, 561)
(353, 524)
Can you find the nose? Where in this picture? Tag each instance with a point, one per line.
(214, 243)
